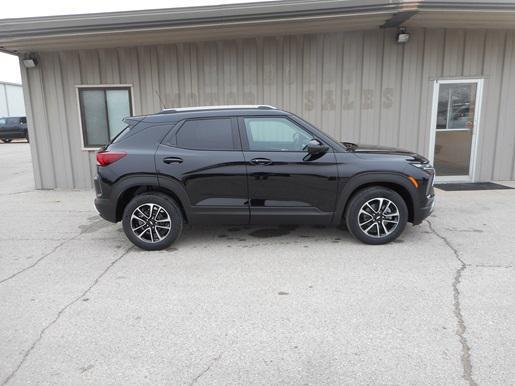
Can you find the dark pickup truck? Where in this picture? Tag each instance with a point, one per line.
(13, 128)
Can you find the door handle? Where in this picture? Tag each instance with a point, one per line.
(172, 160)
(261, 161)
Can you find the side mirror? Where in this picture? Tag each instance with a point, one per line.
(316, 147)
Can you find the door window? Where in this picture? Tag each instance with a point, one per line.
(455, 119)
(275, 134)
(206, 134)
(456, 105)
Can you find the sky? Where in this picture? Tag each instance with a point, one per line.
(9, 68)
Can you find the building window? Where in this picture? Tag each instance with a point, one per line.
(102, 110)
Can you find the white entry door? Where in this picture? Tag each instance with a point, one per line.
(454, 128)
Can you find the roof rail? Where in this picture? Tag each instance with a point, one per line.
(222, 107)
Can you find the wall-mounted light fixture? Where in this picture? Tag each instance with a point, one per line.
(30, 60)
(402, 35)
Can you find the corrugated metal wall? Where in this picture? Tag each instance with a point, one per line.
(357, 86)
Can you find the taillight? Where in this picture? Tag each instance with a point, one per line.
(105, 158)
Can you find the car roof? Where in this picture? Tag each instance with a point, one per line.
(178, 114)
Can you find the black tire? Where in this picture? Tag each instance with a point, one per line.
(168, 205)
(4, 140)
(385, 219)
(27, 138)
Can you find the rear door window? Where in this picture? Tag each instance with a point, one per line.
(207, 134)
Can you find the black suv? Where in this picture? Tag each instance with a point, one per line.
(13, 128)
(253, 165)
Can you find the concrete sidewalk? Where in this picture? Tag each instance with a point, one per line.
(239, 305)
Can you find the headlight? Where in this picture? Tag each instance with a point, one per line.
(424, 166)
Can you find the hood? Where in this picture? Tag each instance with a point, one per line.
(377, 149)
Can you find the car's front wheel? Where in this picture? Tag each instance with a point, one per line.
(376, 215)
(152, 221)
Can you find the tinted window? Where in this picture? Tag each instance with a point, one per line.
(275, 134)
(3, 121)
(206, 134)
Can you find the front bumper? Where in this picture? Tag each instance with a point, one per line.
(424, 211)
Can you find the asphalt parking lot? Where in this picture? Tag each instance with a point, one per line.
(264, 305)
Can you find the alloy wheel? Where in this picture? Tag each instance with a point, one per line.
(378, 217)
(150, 222)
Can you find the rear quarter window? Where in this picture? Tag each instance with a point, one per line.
(122, 134)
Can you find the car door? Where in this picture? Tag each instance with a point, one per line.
(205, 156)
(286, 184)
(22, 126)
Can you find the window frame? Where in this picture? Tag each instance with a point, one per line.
(100, 87)
(237, 146)
(245, 140)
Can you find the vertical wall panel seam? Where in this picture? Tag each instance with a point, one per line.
(322, 79)
(4, 87)
(259, 68)
(301, 71)
(398, 139)
(462, 73)
(380, 101)
(45, 113)
(443, 51)
(421, 87)
(505, 45)
(35, 154)
(360, 101)
(66, 138)
(484, 55)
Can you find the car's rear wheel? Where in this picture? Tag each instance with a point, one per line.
(376, 215)
(152, 221)
(5, 140)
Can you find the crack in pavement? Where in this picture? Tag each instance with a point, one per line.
(16, 193)
(47, 254)
(461, 327)
(60, 313)
(195, 380)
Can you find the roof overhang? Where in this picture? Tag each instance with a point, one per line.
(149, 27)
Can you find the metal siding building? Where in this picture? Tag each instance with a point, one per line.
(350, 78)
(11, 100)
